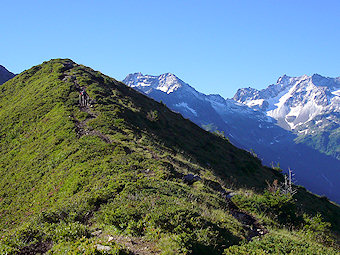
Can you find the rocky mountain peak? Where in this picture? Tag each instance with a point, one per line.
(295, 101)
(321, 81)
(166, 82)
(245, 94)
(216, 98)
(283, 79)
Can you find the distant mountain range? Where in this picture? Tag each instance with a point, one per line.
(292, 124)
(307, 105)
(5, 75)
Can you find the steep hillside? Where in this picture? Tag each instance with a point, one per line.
(5, 75)
(124, 174)
(248, 126)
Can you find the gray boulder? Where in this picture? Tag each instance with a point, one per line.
(190, 178)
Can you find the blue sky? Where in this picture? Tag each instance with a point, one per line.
(215, 46)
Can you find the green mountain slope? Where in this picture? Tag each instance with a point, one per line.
(109, 178)
(326, 141)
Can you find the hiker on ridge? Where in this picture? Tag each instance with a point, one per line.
(83, 97)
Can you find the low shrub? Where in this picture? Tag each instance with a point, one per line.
(281, 242)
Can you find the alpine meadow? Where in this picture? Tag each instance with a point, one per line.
(123, 174)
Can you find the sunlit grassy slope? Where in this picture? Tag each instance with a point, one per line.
(75, 180)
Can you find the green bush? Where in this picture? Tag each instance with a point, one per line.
(279, 207)
(318, 230)
(174, 245)
(152, 116)
(66, 231)
(85, 246)
(280, 242)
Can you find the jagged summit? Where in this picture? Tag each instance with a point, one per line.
(282, 78)
(309, 106)
(216, 98)
(166, 82)
(245, 93)
(294, 101)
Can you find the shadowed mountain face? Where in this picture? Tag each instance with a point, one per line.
(246, 122)
(5, 75)
(119, 173)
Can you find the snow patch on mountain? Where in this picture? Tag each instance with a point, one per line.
(294, 101)
(167, 83)
(185, 105)
(217, 102)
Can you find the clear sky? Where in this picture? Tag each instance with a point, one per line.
(215, 46)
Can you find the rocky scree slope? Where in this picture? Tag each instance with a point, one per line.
(109, 178)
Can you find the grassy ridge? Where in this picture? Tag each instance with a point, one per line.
(115, 170)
